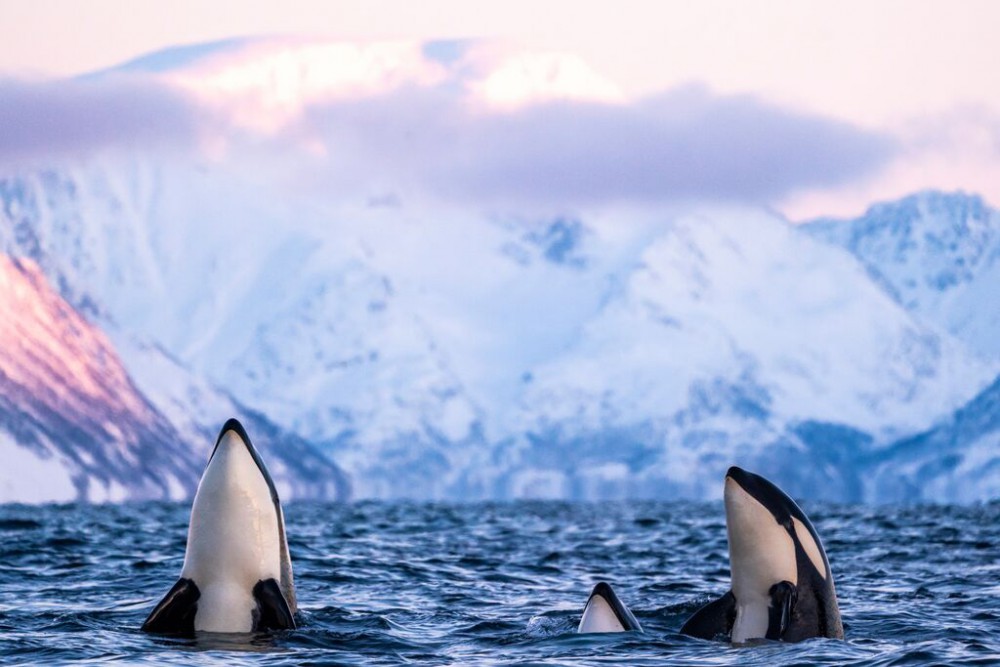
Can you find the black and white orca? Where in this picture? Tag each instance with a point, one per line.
(604, 612)
(237, 574)
(782, 586)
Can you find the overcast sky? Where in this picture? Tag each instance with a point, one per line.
(908, 90)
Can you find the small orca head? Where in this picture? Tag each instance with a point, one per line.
(605, 612)
(765, 527)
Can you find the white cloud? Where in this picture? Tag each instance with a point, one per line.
(687, 143)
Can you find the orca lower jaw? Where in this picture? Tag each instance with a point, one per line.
(225, 606)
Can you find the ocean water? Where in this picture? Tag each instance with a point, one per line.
(440, 584)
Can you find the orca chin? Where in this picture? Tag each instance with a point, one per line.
(605, 612)
(782, 585)
(237, 573)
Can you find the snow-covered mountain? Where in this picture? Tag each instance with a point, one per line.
(441, 346)
(733, 337)
(75, 425)
(445, 353)
(938, 255)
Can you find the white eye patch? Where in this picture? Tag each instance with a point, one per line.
(810, 547)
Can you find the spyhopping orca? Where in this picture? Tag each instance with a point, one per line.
(782, 586)
(604, 612)
(237, 575)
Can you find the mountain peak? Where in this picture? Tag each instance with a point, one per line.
(955, 208)
(937, 253)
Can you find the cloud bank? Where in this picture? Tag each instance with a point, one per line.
(75, 118)
(684, 144)
(441, 137)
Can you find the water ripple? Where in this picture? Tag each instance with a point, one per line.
(496, 583)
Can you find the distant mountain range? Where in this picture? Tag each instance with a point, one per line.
(438, 356)
(392, 345)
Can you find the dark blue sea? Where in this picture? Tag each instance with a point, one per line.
(440, 584)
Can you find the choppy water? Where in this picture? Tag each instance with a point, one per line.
(382, 583)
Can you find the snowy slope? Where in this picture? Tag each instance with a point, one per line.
(958, 459)
(72, 409)
(938, 255)
(733, 293)
(33, 475)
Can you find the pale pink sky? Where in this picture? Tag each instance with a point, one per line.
(923, 72)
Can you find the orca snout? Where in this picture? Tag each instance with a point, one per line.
(605, 612)
(234, 427)
(755, 486)
(735, 484)
(739, 476)
(232, 437)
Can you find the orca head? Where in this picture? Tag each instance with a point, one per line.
(761, 548)
(605, 612)
(236, 536)
(771, 541)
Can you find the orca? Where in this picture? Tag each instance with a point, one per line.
(604, 612)
(782, 585)
(237, 574)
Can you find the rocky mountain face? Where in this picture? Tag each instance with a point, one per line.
(67, 400)
(958, 459)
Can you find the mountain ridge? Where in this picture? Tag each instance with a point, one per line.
(935, 253)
